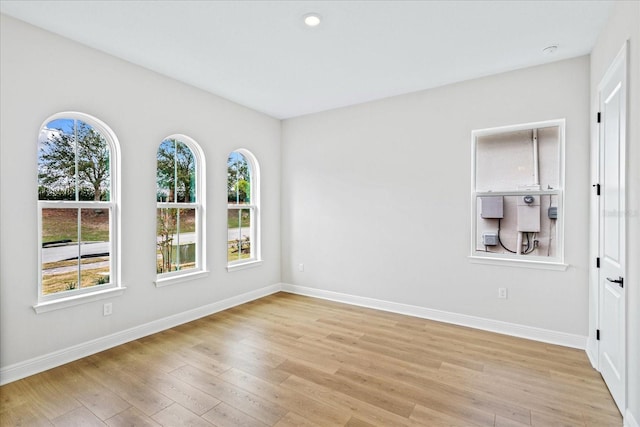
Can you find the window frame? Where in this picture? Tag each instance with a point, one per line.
(548, 263)
(115, 287)
(255, 258)
(200, 269)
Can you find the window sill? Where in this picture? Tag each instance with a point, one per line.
(244, 265)
(44, 307)
(186, 277)
(509, 262)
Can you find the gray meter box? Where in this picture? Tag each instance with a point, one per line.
(490, 239)
(491, 207)
(528, 219)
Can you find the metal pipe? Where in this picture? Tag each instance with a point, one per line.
(519, 243)
(536, 177)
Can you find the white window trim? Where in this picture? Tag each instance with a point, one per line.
(246, 264)
(255, 260)
(200, 270)
(527, 261)
(185, 276)
(62, 300)
(70, 301)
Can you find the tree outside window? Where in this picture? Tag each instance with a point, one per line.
(73, 162)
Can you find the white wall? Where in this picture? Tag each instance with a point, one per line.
(376, 199)
(43, 74)
(624, 24)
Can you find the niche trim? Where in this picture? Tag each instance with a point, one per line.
(517, 195)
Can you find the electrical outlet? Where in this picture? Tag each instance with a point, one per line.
(107, 309)
(502, 293)
(300, 267)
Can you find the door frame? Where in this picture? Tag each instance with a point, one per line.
(593, 345)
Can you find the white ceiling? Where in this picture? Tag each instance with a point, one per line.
(259, 54)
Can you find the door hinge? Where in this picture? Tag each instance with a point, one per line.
(597, 334)
(597, 187)
(598, 119)
(598, 262)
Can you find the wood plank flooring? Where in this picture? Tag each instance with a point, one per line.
(288, 360)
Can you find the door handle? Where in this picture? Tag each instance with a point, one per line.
(619, 281)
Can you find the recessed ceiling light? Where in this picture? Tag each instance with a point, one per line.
(312, 19)
(550, 49)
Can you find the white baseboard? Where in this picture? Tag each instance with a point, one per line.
(593, 357)
(42, 363)
(506, 328)
(629, 420)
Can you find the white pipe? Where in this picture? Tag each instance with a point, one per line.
(536, 177)
(519, 243)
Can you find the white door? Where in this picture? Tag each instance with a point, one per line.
(612, 301)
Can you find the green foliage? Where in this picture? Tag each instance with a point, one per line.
(243, 188)
(237, 217)
(84, 193)
(102, 280)
(63, 162)
(238, 179)
(70, 286)
(176, 170)
(62, 224)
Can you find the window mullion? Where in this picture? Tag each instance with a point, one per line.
(240, 234)
(175, 170)
(165, 205)
(253, 233)
(241, 206)
(178, 239)
(64, 204)
(79, 250)
(75, 151)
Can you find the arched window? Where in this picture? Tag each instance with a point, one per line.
(179, 214)
(78, 199)
(243, 214)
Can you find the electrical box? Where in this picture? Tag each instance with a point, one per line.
(552, 212)
(492, 207)
(528, 214)
(490, 239)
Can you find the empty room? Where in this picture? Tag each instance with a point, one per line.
(366, 213)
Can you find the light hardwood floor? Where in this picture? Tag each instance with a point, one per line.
(288, 360)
